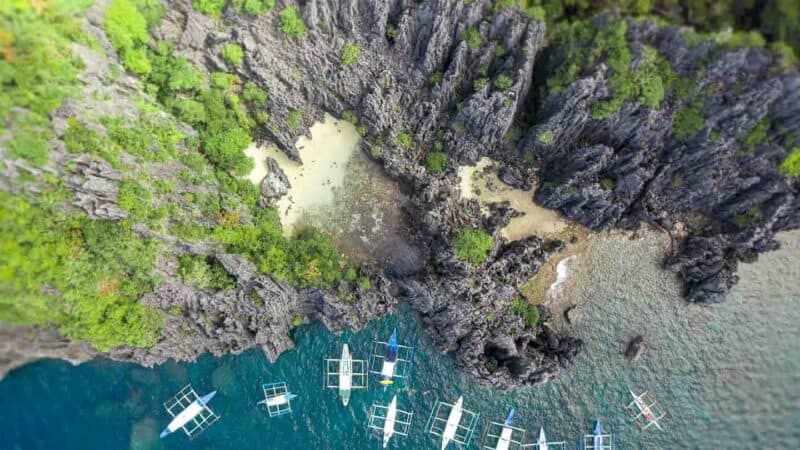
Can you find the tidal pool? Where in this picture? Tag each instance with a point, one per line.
(341, 191)
(481, 182)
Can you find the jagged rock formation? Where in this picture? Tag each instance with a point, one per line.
(709, 180)
(420, 74)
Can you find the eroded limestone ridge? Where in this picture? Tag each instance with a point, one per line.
(653, 128)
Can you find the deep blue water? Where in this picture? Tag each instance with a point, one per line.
(727, 375)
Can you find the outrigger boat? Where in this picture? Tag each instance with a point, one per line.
(644, 410)
(450, 428)
(542, 444)
(504, 436)
(189, 412)
(277, 399)
(345, 374)
(389, 420)
(598, 440)
(452, 422)
(388, 425)
(390, 360)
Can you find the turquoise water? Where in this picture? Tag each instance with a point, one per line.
(727, 375)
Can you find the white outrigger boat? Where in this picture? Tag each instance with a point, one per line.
(598, 440)
(450, 429)
(345, 374)
(189, 412)
(644, 411)
(277, 399)
(542, 444)
(390, 361)
(389, 420)
(504, 436)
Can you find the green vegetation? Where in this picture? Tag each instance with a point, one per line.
(297, 321)
(232, 54)
(37, 71)
(210, 7)
(545, 137)
(80, 139)
(688, 120)
(350, 54)
(309, 258)
(532, 8)
(404, 140)
(503, 82)
(253, 94)
(757, 135)
(480, 83)
(790, 166)
(205, 273)
(96, 270)
(291, 22)
(149, 137)
(435, 161)
(472, 246)
(294, 120)
(473, 38)
(586, 46)
(253, 7)
(776, 20)
(750, 218)
(435, 79)
(126, 28)
(526, 310)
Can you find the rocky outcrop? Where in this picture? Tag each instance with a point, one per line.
(275, 183)
(457, 76)
(634, 167)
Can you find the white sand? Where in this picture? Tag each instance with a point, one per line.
(325, 156)
(535, 221)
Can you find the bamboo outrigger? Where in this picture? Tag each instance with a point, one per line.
(446, 421)
(504, 436)
(644, 411)
(598, 440)
(389, 420)
(543, 444)
(189, 412)
(345, 374)
(277, 399)
(390, 361)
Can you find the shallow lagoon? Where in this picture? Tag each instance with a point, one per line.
(727, 375)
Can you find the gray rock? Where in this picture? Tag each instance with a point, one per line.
(275, 183)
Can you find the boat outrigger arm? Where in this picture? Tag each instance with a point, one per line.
(504, 436)
(644, 410)
(390, 421)
(346, 374)
(189, 412)
(542, 444)
(446, 420)
(598, 440)
(389, 361)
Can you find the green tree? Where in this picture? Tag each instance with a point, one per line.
(232, 54)
(435, 161)
(291, 22)
(350, 53)
(472, 246)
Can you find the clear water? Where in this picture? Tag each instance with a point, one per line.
(727, 375)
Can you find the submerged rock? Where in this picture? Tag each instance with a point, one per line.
(635, 348)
